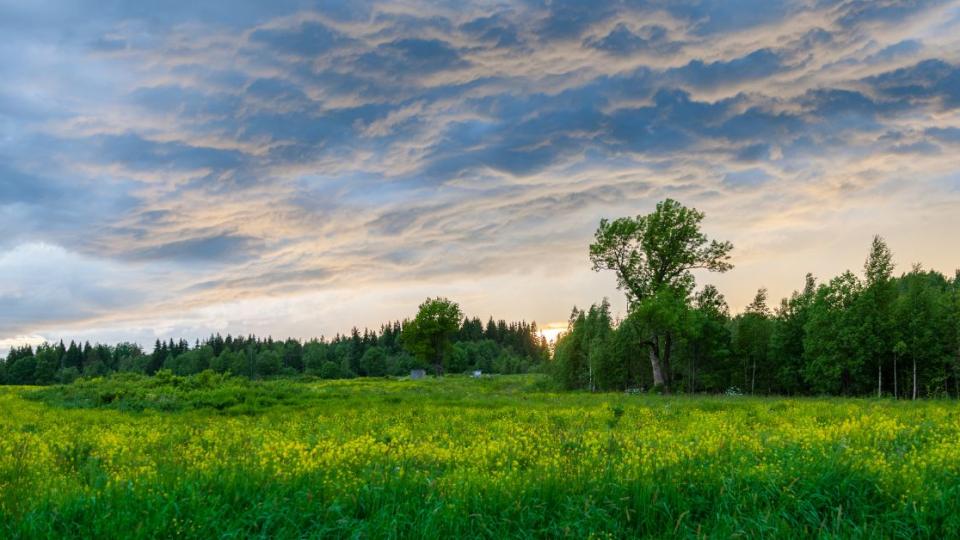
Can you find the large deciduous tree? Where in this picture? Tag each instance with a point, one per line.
(653, 256)
(427, 336)
(832, 353)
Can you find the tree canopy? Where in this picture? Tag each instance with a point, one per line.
(653, 256)
(869, 334)
(496, 346)
(658, 250)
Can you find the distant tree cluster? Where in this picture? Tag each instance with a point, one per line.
(497, 347)
(875, 334)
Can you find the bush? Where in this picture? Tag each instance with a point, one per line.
(166, 391)
(268, 363)
(67, 375)
(374, 362)
(330, 370)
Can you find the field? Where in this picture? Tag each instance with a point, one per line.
(500, 457)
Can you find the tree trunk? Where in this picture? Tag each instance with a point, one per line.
(667, 368)
(693, 378)
(914, 378)
(655, 364)
(590, 373)
(746, 372)
(879, 378)
(956, 376)
(693, 369)
(895, 394)
(438, 361)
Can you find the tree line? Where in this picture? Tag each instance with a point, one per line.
(397, 348)
(869, 334)
(872, 333)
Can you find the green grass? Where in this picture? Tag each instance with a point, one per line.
(499, 457)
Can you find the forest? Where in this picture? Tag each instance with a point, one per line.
(873, 333)
(854, 335)
(893, 336)
(497, 347)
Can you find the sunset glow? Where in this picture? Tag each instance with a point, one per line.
(552, 331)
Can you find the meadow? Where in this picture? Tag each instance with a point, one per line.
(209, 456)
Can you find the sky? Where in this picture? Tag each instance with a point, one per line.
(179, 168)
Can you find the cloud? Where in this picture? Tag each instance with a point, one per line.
(861, 12)
(494, 29)
(137, 153)
(716, 16)
(918, 147)
(747, 178)
(186, 102)
(905, 48)
(46, 283)
(623, 41)
(409, 56)
(222, 247)
(310, 38)
(756, 65)
(569, 19)
(931, 79)
(277, 91)
(674, 122)
(246, 151)
(19, 187)
(947, 134)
